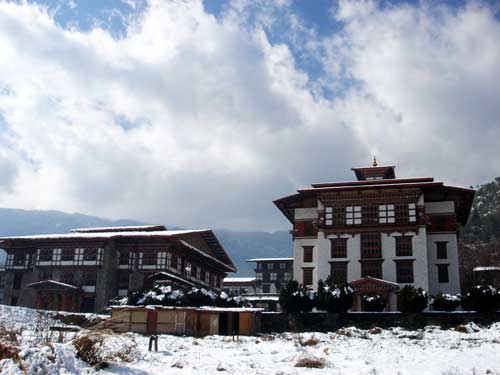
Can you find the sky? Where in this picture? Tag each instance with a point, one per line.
(198, 113)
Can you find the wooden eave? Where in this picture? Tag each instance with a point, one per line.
(461, 196)
(373, 186)
(371, 182)
(284, 205)
(386, 172)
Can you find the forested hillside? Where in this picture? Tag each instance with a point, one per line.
(480, 241)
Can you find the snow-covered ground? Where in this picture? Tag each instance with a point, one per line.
(347, 351)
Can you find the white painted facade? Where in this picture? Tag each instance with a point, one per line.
(424, 253)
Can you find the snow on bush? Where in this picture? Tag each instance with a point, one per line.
(167, 296)
(446, 302)
(333, 298)
(295, 298)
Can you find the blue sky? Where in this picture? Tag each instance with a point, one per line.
(199, 113)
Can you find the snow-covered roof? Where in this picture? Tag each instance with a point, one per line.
(52, 282)
(239, 279)
(268, 259)
(127, 228)
(105, 235)
(144, 233)
(486, 268)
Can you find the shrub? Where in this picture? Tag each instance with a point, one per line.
(295, 298)
(481, 298)
(310, 362)
(87, 348)
(333, 298)
(446, 302)
(411, 299)
(373, 302)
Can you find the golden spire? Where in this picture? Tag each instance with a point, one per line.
(375, 161)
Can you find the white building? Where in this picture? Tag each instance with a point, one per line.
(378, 233)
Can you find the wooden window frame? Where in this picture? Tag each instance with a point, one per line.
(309, 271)
(443, 273)
(404, 271)
(339, 272)
(367, 266)
(369, 215)
(371, 245)
(307, 254)
(404, 246)
(338, 247)
(387, 213)
(353, 215)
(441, 249)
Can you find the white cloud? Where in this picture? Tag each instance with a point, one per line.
(196, 121)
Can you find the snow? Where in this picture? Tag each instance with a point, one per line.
(346, 351)
(239, 279)
(486, 268)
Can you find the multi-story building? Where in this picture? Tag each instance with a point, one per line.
(272, 274)
(84, 269)
(379, 232)
(239, 286)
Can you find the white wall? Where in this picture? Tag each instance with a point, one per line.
(298, 260)
(453, 286)
(444, 207)
(306, 213)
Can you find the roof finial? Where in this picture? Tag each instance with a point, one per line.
(375, 161)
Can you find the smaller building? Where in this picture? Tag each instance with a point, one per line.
(239, 286)
(487, 274)
(272, 274)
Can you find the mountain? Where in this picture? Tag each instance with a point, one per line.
(240, 245)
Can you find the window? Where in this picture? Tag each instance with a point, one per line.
(123, 257)
(412, 212)
(307, 276)
(90, 255)
(370, 214)
(282, 266)
(287, 276)
(188, 269)
(207, 277)
(266, 288)
(335, 216)
(353, 215)
(308, 254)
(179, 265)
(404, 246)
(273, 276)
(386, 214)
(20, 260)
(258, 275)
(404, 271)
(371, 268)
(338, 272)
(371, 245)
(443, 276)
(441, 248)
(56, 255)
(79, 255)
(149, 258)
(270, 266)
(44, 255)
(338, 247)
(198, 272)
(68, 255)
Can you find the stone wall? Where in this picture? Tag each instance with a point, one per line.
(326, 322)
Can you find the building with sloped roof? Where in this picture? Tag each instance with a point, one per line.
(84, 269)
(378, 233)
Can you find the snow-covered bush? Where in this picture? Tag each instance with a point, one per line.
(481, 298)
(411, 299)
(196, 297)
(373, 302)
(446, 302)
(334, 298)
(295, 298)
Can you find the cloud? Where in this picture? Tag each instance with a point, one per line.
(193, 120)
